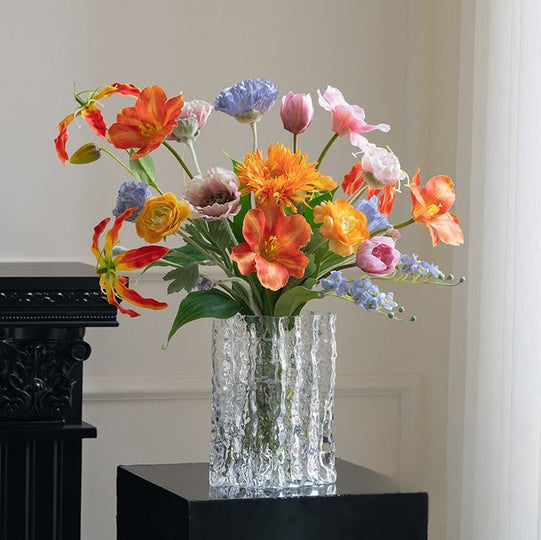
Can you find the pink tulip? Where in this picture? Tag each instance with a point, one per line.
(347, 119)
(377, 257)
(297, 112)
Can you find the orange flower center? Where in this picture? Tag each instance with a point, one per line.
(268, 250)
(148, 130)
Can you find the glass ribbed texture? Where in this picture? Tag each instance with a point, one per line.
(273, 401)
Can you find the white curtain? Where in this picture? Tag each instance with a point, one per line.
(494, 450)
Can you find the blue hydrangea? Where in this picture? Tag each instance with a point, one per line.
(376, 220)
(251, 99)
(334, 284)
(364, 293)
(131, 194)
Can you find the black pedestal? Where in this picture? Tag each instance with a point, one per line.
(174, 502)
(44, 309)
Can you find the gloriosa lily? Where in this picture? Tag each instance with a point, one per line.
(109, 265)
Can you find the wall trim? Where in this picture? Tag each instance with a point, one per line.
(408, 388)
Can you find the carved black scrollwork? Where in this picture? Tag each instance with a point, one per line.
(35, 377)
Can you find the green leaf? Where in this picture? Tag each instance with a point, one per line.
(184, 277)
(236, 226)
(184, 255)
(143, 169)
(218, 233)
(292, 301)
(201, 304)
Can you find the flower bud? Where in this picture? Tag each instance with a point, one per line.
(297, 112)
(86, 154)
(186, 128)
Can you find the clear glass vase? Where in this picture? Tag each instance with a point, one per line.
(273, 401)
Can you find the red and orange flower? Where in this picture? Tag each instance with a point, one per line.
(90, 112)
(431, 209)
(273, 246)
(282, 178)
(146, 125)
(109, 265)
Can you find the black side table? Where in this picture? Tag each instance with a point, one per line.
(44, 310)
(166, 502)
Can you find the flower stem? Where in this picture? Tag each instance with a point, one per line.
(178, 158)
(325, 150)
(116, 159)
(189, 144)
(399, 226)
(253, 125)
(295, 137)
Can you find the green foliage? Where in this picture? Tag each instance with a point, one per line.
(143, 169)
(236, 226)
(292, 301)
(201, 304)
(184, 277)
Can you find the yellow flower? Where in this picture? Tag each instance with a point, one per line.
(282, 178)
(161, 216)
(343, 225)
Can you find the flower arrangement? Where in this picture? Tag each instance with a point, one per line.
(280, 230)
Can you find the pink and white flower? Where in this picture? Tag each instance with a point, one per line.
(377, 257)
(192, 118)
(347, 119)
(214, 194)
(384, 165)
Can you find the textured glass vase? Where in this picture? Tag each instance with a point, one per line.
(273, 401)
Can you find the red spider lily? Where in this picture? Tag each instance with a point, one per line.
(108, 266)
(354, 180)
(146, 125)
(272, 247)
(430, 208)
(89, 111)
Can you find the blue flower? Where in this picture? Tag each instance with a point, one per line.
(204, 283)
(248, 100)
(387, 301)
(335, 283)
(131, 194)
(376, 220)
(363, 292)
(410, 264)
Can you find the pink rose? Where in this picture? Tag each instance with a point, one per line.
(377, 257)
(297, 112)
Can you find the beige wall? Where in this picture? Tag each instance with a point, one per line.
(396, 58)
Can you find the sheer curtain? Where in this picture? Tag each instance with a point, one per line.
(494, 450)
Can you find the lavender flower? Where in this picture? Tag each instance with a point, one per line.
(376, 220)
(131, 194)
(248, 100)
(334, 284)
(204, 283)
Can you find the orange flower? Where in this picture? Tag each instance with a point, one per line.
(146, 125)
(108, 266)
(272, 247)
(283, 178)
(354, 180)
(90, 112)
(343, 225)
(430, 208)
(161, 216)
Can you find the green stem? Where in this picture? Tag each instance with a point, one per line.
(295, 137)
(355, 197)
(178, 158)
(399, 226)
(116, 159)
(253, 125)
(325, 150)
(207, 254)
(189, 144)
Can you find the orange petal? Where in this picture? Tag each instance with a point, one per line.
(244, 257)
(272, 275)
(439, 191)
(446, 229)
(292, 232)
(98, 230)
(95, 120)
(133, 297)
(111, 238)
(124, 136)
(140, 257)
(62, 138)
(254, 227)
(353, 180)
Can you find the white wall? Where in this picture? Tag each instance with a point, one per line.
(396, 58)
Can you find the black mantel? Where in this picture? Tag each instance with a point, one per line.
(44, 310)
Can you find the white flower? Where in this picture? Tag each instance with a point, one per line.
(384, 165)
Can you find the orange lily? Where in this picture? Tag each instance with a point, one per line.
(430, 208)
(146, 125)
(272, 247)
(90, 112)
(108, 266)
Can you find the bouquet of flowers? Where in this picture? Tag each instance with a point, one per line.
(280, 230)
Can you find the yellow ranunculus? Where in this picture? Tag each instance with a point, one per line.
(161, 216)
(343, 225)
